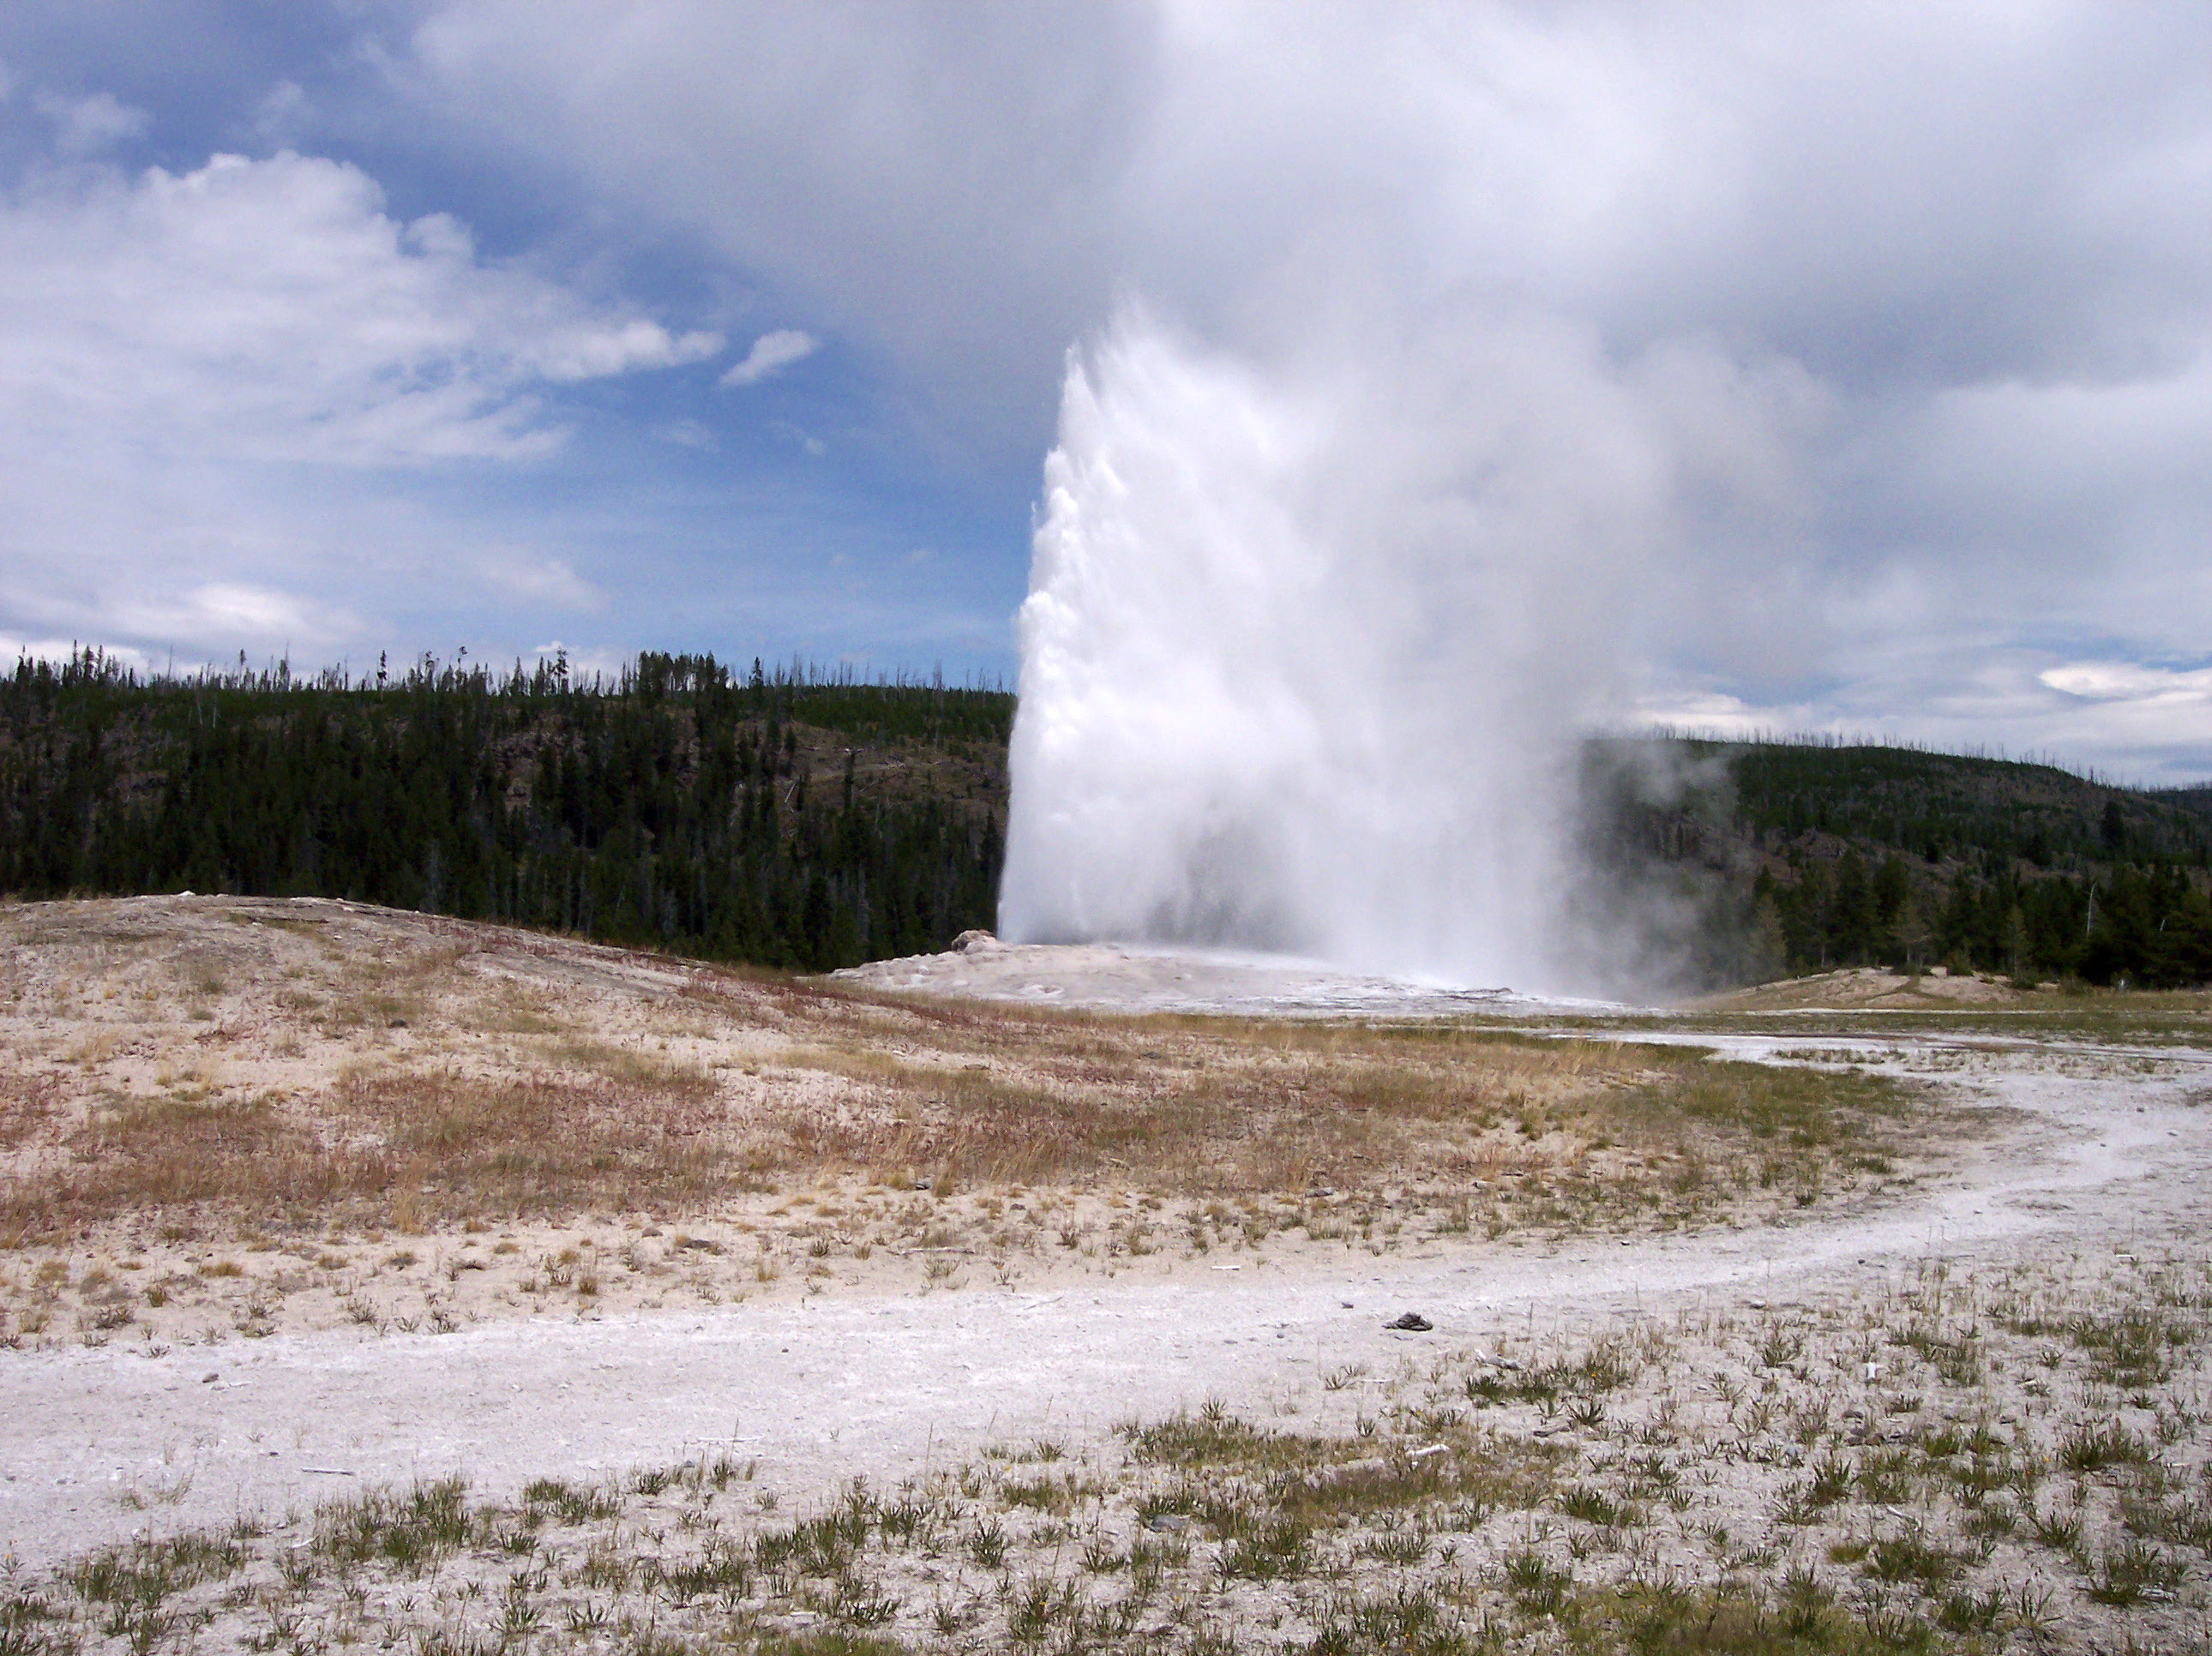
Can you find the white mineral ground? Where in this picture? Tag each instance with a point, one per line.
(2105, 1146)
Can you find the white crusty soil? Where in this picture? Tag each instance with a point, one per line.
(98, 1444)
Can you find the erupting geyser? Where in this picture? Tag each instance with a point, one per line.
(1263, 705)
(1305, 648)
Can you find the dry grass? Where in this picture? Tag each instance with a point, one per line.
(219, 1070)
(993, 1099)
(449, 1150)
(1214, 1106)
(27, 1103)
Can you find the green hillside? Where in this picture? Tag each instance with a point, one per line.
(771, 818)
(1807, 856)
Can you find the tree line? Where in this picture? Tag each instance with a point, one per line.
(782, 818)
(795, 819)
(1812, 856)
(2149, 926)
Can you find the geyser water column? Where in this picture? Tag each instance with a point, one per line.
(1304, 648)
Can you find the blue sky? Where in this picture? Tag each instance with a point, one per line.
(640, 499)
(361, 326)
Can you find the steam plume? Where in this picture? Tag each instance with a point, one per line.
(1307, 644)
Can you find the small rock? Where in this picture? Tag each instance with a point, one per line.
(1412, 1322)
(209, 1379)
(1166, 1523)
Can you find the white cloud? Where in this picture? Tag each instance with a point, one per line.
(2142, 723)
(1915, 294)
(92, 125)
(2135, 722)
(547, 583)
(771, 354)
(2123, 681)
(976, 186)
(1944, 246)
(220, 386)
(13, 649)
(232, 609)
(1714, 712)
(583, 665)
(938, 180)
(272, 310)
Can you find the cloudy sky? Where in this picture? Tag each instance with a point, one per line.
(360, 327)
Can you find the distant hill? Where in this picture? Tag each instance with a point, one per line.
(771, 817)
(792, 820)
(1804, 856)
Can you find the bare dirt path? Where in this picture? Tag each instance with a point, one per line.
(97, 1445)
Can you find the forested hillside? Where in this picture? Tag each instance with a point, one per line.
(771, 818)
(792, 821)
(1806, 855)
